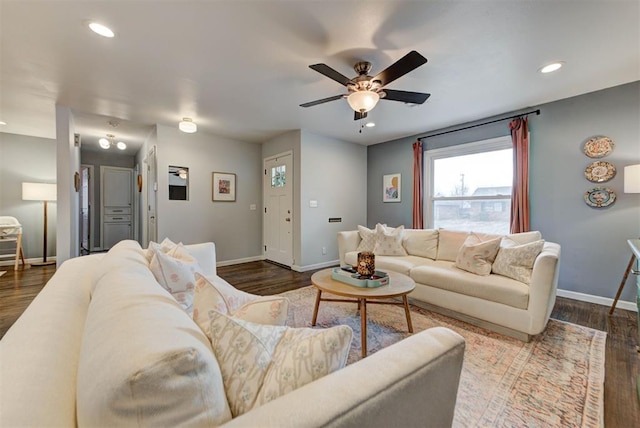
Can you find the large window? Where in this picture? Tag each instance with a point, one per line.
(468, 187)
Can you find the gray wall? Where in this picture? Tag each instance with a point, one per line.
(334, 173)
(98, 159)
(28, 159)
(594, 249)
(236, 230)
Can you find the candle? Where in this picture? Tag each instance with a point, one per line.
(366, 263)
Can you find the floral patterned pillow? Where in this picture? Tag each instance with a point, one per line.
(165, 246)
(260, 363)
(213, 294)
(389, 241)
(175, 271)
(517, 261)
(476, 256)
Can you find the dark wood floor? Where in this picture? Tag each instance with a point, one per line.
(622, 408)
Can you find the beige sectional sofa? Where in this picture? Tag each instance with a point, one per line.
(104, 344)
(516, 307)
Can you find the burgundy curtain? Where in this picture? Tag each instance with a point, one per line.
(418, 222)
(520, 190)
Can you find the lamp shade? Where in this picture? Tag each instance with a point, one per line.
(39, 192)
(363, 101)
(632, 179)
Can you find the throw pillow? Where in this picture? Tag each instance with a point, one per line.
(165, 246)
(175, 272)
(260, 363)
(367, 238)
(517, 261)
(214, 294)
(520, 238)
(389, 241)
(476, 256)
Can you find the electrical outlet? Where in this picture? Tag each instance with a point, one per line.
(324, 251)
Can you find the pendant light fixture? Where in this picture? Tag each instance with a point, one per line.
(106, 143)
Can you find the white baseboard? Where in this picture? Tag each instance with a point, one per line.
(27, 261)
(604, 301)
(315, 266)
(240, 261)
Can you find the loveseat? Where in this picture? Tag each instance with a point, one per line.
(504, 283)
(103, 344)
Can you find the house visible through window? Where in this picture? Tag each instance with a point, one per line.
(278, 176)
(468, 187)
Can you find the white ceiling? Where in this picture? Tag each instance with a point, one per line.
(240, 68)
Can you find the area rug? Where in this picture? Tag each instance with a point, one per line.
(557, 379)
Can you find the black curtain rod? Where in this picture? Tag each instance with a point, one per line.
(537, 112)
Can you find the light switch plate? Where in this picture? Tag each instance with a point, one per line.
(313, 204)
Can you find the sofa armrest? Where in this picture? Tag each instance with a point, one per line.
(543, 286)
(411, 383)
(205, 254)
(347, 241)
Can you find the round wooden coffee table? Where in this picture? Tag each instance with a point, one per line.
(399, 286)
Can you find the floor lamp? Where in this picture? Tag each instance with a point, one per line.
(40, 192)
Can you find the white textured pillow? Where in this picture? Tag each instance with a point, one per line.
(367, 239)
(214, 294)
(517, 261)
(175, 271)
(389, 241)
(421, 242)
(165, 246)
(449, 244)
(520, 238)
(476, 256)
(260, 363)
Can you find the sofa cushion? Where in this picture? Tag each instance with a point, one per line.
(389, 241)
(175, 271)
(143, 360)
(520, 238)
(400, 264)
(260, 362)
(495, 288)
(517, 261)
(421, 242)
(476, 256)
(215, 294)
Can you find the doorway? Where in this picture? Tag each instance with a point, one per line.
(152, 192)
(278, 212)
(86, 204)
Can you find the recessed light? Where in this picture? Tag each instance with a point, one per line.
(101, 29)
(370, 124)
(549, 68)
(187, 125)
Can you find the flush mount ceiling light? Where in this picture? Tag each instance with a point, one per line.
(106, 143)
(550, 68)
(187, 125)
(102, 30)
(363, 101)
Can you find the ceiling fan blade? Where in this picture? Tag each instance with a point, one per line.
(331, 73)
(324, 100)
(404, 65)
(359, 115)
(405, 96)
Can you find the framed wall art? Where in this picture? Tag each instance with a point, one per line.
(391, 188)
(224, 187)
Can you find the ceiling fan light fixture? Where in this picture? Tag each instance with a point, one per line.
(187, 125)
(104, 143)
(102, 30)
(363, 101)
(121, 145)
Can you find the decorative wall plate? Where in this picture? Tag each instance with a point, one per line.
(599, 197)
(597, 147)
(600, 171)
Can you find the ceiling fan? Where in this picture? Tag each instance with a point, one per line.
(365, 91)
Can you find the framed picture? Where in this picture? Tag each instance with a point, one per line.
(224, 187)
(391, 188)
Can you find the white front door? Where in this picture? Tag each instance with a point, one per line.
(278, 209)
